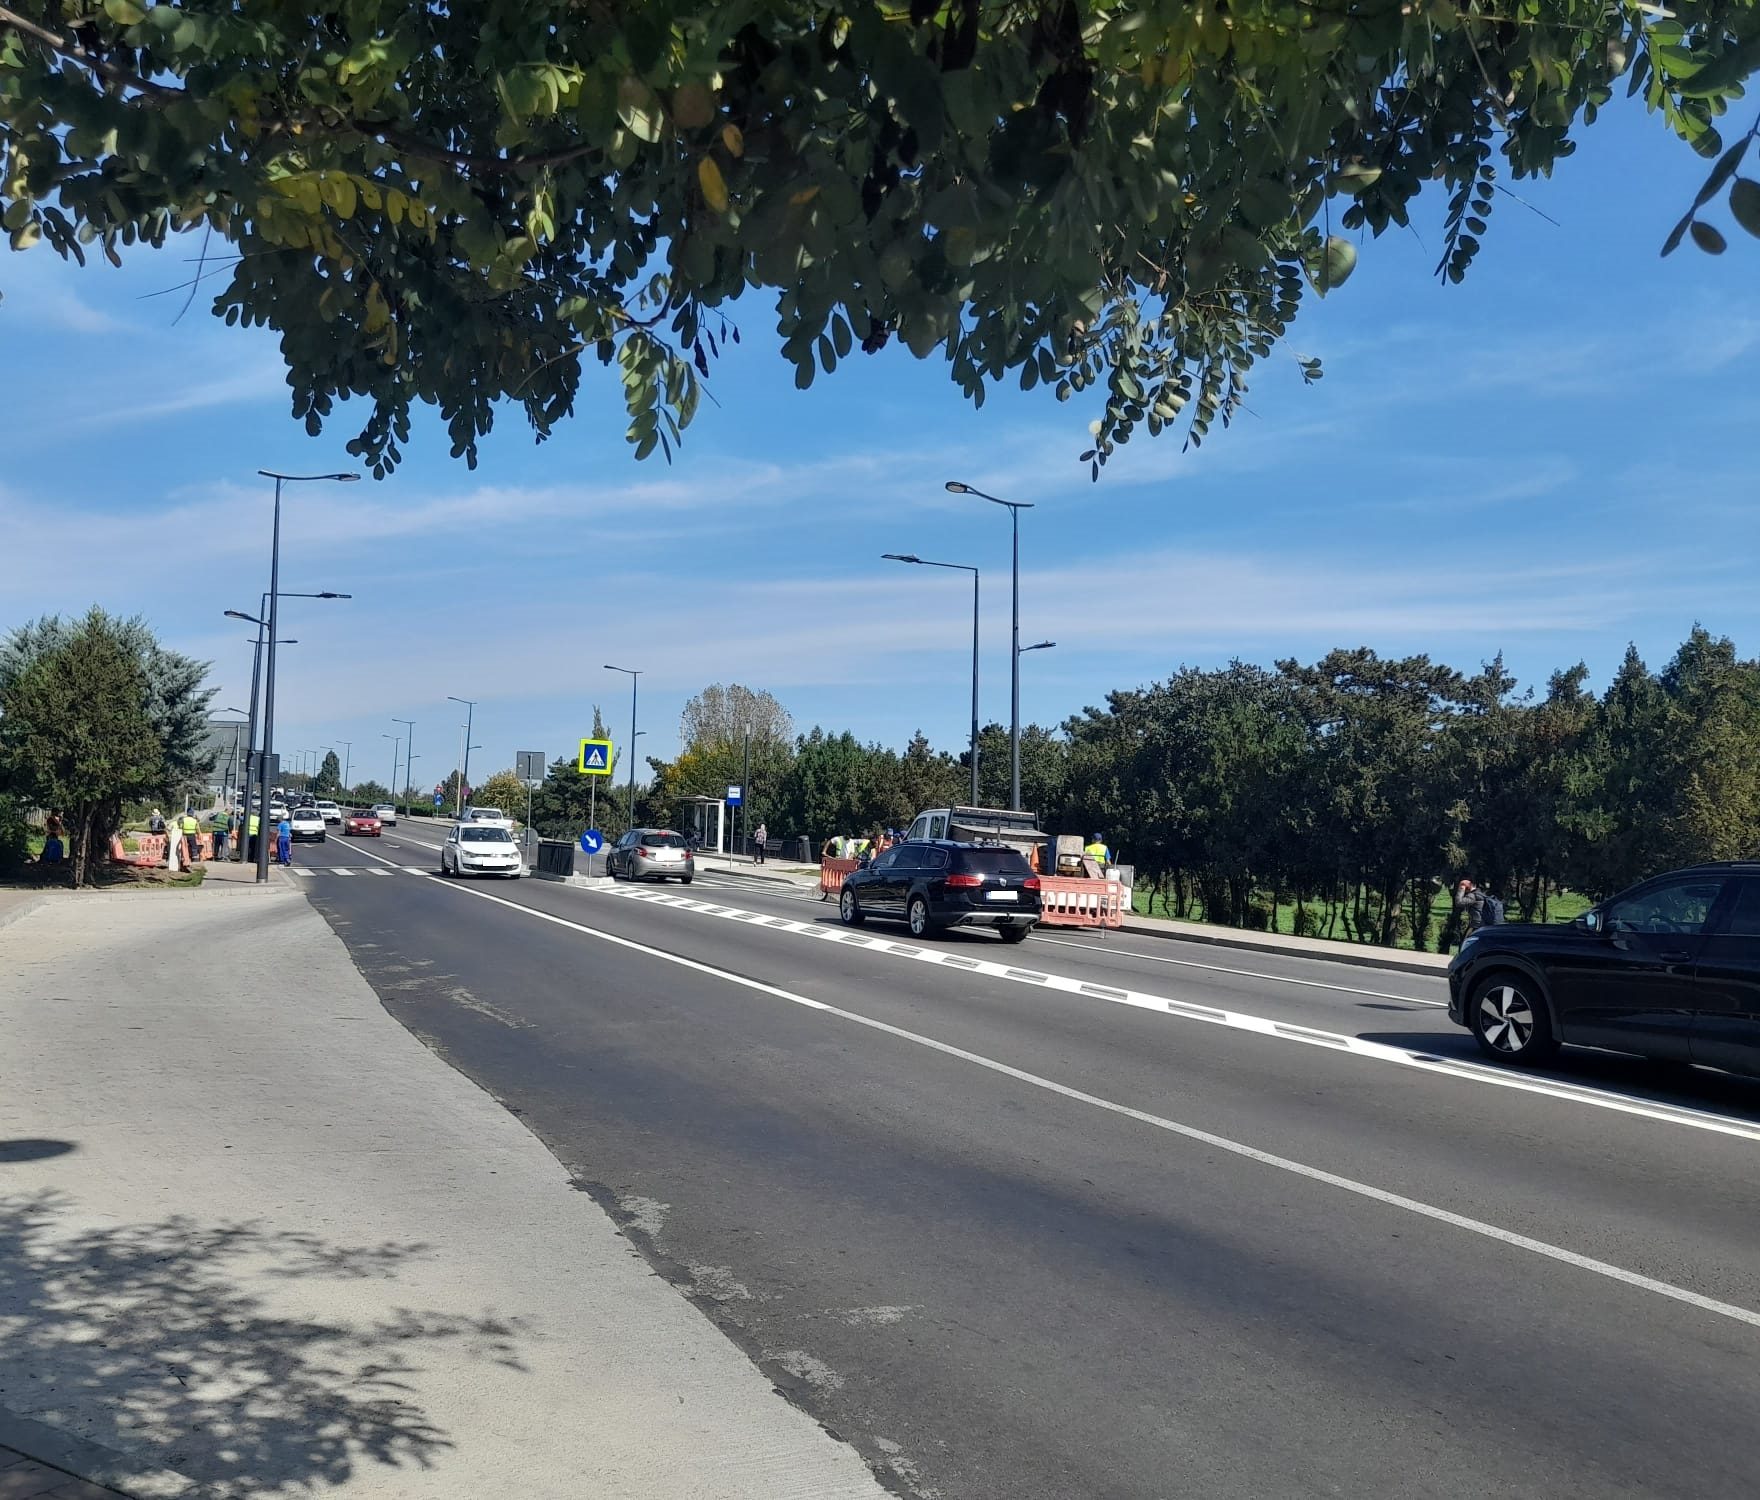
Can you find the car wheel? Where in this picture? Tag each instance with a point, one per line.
(686, 879)
(1012, 934)
(917, 914)
(1509, 1019)
(849, 910)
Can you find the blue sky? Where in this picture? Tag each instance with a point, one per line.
(1551, 460)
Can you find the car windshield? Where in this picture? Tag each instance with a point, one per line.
(662, 841)
(487, 812)
(993, 862)
(485, 836)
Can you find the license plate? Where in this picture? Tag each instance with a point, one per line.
(999, 895)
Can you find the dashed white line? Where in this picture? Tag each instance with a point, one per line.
(1381, 1052)
(1192, 963)
(1430, 1211)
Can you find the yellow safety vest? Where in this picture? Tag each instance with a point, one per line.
(1098, 852)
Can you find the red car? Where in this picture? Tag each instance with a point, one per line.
(364, 822)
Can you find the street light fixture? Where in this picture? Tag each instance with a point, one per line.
(1015, 507)
(923, 562)
(269, 624)
(464, 773)
(634, 675)
(1042, 646)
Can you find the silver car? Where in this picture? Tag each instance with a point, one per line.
(651, 854)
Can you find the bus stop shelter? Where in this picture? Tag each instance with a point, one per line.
(705, 818)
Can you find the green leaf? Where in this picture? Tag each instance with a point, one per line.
(693, 106)
(1744, 204)
(1708, 238)
(125, 12)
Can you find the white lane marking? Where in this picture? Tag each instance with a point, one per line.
(1192, 963)
(299, 870)
(1382, 1052)
(339, 870)
(1172, 1127)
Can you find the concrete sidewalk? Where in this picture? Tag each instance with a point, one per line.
(257, 1240)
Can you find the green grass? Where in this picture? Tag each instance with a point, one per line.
(1562, 906)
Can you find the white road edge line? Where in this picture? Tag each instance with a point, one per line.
(1382, 1052)
(1173, 1127)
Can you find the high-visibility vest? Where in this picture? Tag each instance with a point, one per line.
(256, 825)
(1099, 852)
(189, 824)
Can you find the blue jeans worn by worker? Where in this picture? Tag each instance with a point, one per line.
(284, 848)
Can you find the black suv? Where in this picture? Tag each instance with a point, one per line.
(935, 883)
(1669, 969)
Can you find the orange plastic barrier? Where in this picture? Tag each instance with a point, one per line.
(1073, 901)
(831, 873)
(150, 848)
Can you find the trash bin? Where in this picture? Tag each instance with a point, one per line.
(800, 850)
(556, 856)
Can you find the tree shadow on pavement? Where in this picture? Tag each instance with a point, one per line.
(161, 1340)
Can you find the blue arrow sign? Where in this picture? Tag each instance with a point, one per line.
(438, 799)
(592, 841)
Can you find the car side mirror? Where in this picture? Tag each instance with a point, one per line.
(1591, 921)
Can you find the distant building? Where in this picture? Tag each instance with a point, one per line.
(224, 741)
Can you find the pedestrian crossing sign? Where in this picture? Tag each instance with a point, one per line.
(595, 758)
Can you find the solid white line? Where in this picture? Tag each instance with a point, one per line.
(1173, 1127)
(1192, 963)
(1283, 1031)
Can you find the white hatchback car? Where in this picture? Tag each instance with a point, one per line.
(330, 812)
(481, 849)
(386, 814)
(307, 825)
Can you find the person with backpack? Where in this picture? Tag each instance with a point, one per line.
(1476, 908)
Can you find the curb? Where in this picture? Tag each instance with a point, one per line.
(579, 882)
(93, 1462)
(23, 909)
(1356, 956)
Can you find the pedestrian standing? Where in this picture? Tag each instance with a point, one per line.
(190, 827)
(254, 836)
(758, 840)
(1469, 906)
(284, 842)
(222, 825)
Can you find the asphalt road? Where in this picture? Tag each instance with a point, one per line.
(1110, 1217)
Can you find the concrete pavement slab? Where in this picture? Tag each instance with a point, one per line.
(261, 1237)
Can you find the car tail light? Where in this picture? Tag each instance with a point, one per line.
(1031, 883)
(964, 882)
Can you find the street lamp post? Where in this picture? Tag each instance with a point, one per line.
(1015, 507)
(396, 750)
(464, 773)
(260, 620)
(923, 562)
(347, 761)
(409, 754)
(634, 674)
(269, 678)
